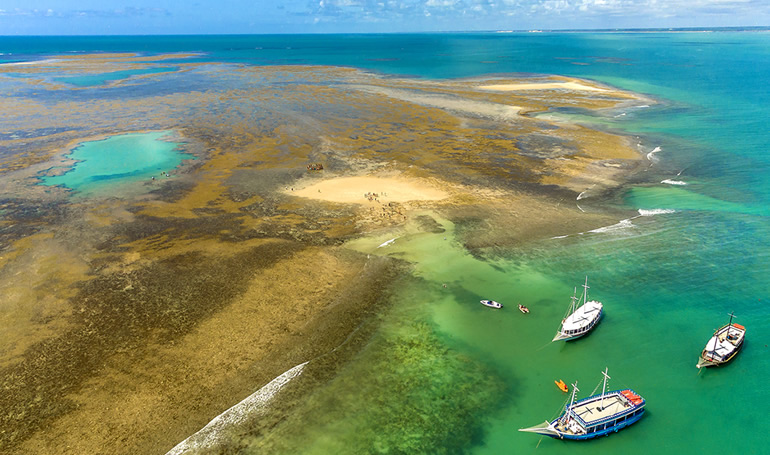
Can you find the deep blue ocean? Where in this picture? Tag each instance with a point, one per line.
(699, 249)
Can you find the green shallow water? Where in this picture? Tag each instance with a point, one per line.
(102, 165)
(666, 280)
(648, 339)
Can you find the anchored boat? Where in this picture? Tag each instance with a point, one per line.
(597, 415)
(723, 346)
(491, 304)
(582, 316)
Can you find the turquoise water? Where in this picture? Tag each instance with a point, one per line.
(462, 378)
(103, 78)
(120, 159)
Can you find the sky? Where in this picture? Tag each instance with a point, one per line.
(142, 17)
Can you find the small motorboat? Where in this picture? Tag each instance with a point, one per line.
(523, 309)
(562, 386)
(491, 304)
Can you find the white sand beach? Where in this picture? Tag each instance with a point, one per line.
(356, 189)
(564, 85)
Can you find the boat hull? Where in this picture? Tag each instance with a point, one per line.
(704, 362)
(599, 433)
(491, 304)
(595, 416)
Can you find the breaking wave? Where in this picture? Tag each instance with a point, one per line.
(651, 155)
(673, 182)
(623, 224)
(653, 212)
(389, 242)
(254, 404)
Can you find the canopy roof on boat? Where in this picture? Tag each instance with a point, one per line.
(721, 348)
(582, 317)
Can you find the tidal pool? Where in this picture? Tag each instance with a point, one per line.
(119, 159)
(103, 78)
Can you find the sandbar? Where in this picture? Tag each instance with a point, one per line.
(567, 85)
(357, 189)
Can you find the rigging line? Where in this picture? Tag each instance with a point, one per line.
(595, 389)
(623, 384)
(558, 412)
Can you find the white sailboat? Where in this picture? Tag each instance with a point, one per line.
(582, 316)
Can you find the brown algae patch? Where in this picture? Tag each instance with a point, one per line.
(189, 379)
(152, 311)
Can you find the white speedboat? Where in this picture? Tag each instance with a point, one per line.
(491, 304)
(582, 316)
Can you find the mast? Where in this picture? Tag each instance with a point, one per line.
(730, 324)
(575, 390)
(585, 291)
(604, 387)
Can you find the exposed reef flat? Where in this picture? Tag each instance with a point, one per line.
(132, 317)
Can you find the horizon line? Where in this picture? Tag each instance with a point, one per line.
(736, 28)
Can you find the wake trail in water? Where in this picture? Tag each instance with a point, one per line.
(673, 182)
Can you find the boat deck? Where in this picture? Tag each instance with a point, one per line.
(724, 342)
(582, 317)
(594, 410)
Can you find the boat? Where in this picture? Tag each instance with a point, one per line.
(597, 415)
(491, 304)
(582, 316)
(523, 309)
(562, 386)
(724, 345)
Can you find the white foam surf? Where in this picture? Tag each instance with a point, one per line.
(653, 212)
(583, 194)
(33, 62)
(623, 224)
(254, 405)
(651, 155)
(389, 242)
(673, 182)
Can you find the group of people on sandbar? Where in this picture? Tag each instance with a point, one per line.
(373, 196)
(315, 167)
